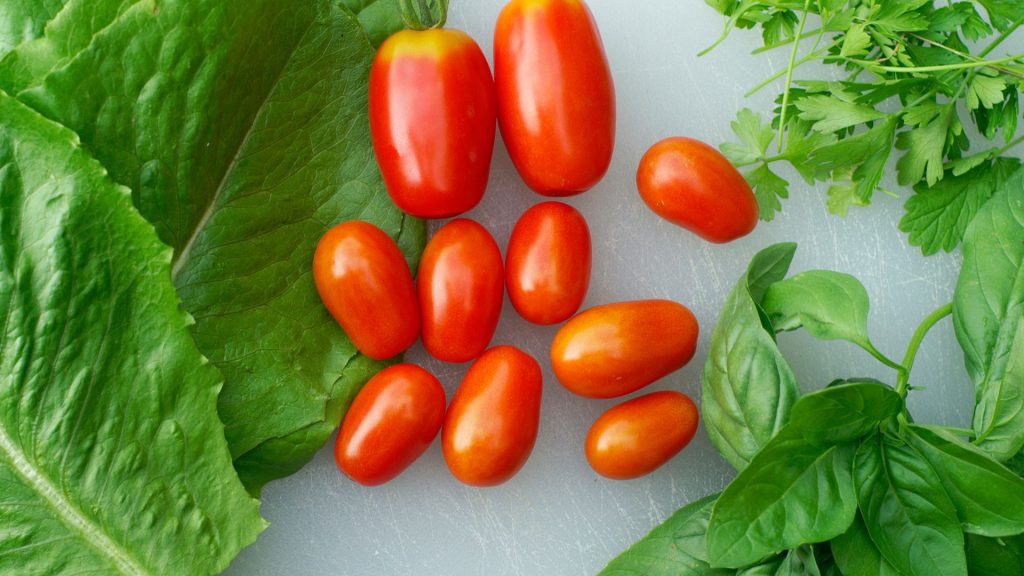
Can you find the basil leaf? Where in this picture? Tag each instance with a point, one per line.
(829, 305)
(112, 458)
(907, 512)
(1016, 464)
(799, 562)
(995, 556)
(748, 388)
(857, 555)
(792, 493)
(243, 134)
(988, 308)
(988, 497)
(845, 412)
(675, 548)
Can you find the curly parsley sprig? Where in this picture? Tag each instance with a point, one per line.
(911, 76)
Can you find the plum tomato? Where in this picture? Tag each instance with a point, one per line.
(461, 287)
(491, 424)
(392, 421)
(365, 283)
(692, 185)
(636, 437)
(556, 98)
(612, 350)
(547, 265)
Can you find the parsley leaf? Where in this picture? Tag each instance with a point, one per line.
(755, 137)
(768, 188)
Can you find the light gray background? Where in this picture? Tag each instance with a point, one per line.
(557, 516)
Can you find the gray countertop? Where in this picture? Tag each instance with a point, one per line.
(557, 516)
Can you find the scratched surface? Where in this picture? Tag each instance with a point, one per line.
(557, 516)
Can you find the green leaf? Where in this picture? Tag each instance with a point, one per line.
(995, 556)
(937, 217)
(112, 458)
(861, 158)
(792, 493)
(748, 388)
(24, 20)
(1003, 13)
(907, 512)
(985, 91)
(781, 26)
(830, 114)
(244, 136)
(988, 309)
(857, 555)
(988, 497)
(856, 41)
(842, 197)
(844, 412)
(676, 547)
(925, 147)
(799, 562)
(1016, 464)
(829, 305)
(755, 137)
(768, 189)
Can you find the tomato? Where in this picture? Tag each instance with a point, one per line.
(636, 437)
(612, 350)
(461, 285)
(556, 98)
(432, 119)
(547, 267)
(491, 424)
(692, 185)
(365, 283)
(392, 421)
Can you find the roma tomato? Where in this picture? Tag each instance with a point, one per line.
(461, 284)
(365, 283)
(692, 185)
(556, 98)
(612, 350)
(491, 424)
(432, 118)
(636, 437)
(392, 421)
(547, 267)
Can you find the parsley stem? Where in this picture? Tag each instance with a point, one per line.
(812, 56)
(941, 68)
(915, 343)
(1002, 37)
(1009, 146)
(803, 36)
(789, 74)
(966, 56)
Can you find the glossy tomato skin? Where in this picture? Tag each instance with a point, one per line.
(612, 350)
(547, 265)
(556, 97)
(491, 424)
(432, 119)
(365, 283)
(692, 185)
(636, 437)
(461, 286)
(392, 421)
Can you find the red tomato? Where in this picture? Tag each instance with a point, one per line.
(692, 185)
(365, 283)
(461, 285)
(556, 99)
(432, 118)
(636, 437)
(492, 421)
(390, 424)
(612, 350)
(548, 263)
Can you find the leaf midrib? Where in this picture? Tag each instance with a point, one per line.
(68, 512)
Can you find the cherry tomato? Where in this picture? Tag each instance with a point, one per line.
(365, 283)
(636, 437)
(461, 285)
(548, 263)
(392, 421)
(556, 98)
(432, 119)
(612, 350)
(492, 421)
(692, 185)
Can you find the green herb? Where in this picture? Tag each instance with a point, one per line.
(843, 480)
(905, 77)
(112, 458)
(243, 135)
